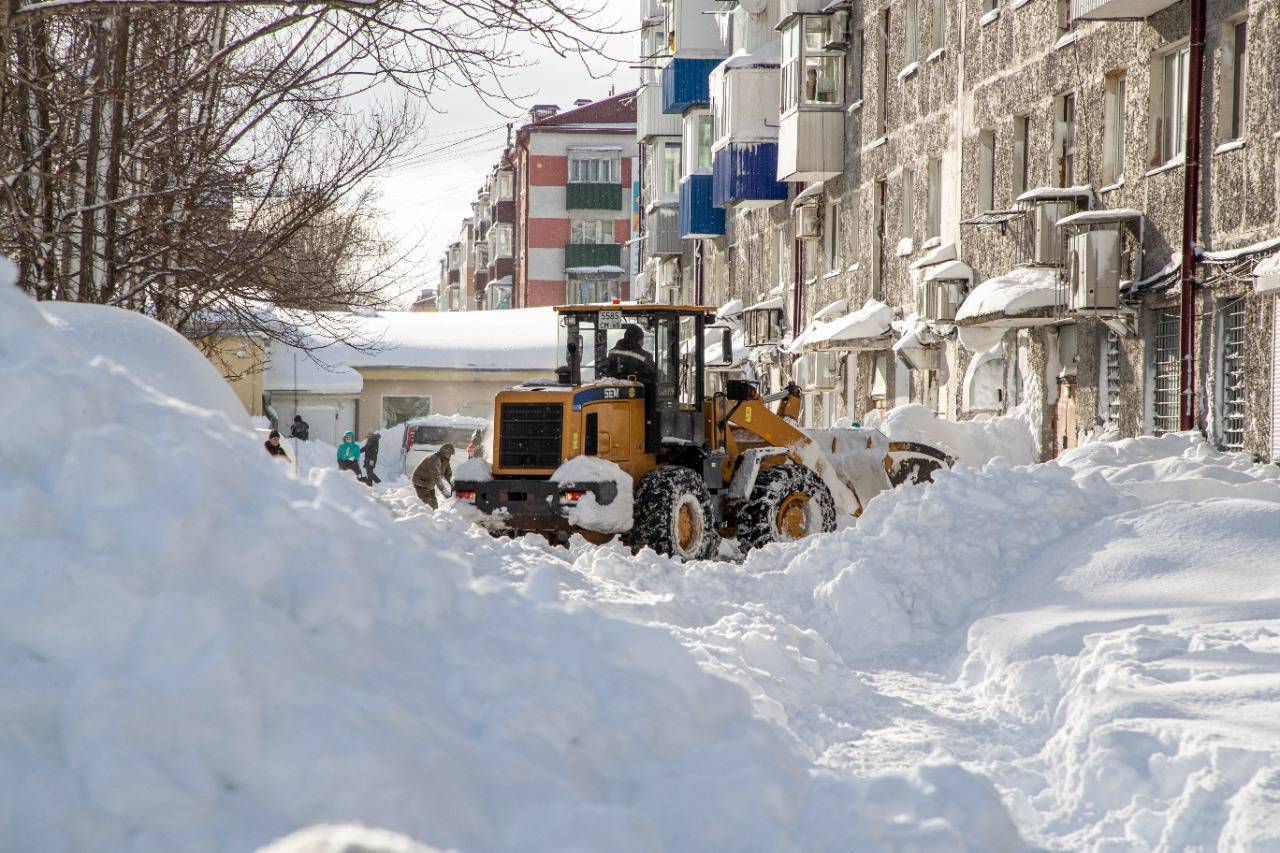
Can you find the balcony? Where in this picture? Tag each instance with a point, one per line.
(698, 216)
(651, 121)
(593, 197)
(592, 255)
(662, 231)
(1115, 10)
(811, 145)
(745, 174)
(686, 83)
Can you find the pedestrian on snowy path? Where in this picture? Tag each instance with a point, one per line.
(349, 454)
(370, 451)
(434, 472)
(300, 429)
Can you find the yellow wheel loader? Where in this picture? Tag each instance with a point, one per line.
(628, 412)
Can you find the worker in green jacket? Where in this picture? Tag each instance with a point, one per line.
(349, 454)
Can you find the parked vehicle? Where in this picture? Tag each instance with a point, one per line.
(700, 467)
(423, 436)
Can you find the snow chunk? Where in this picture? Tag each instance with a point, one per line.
(589, 514)
(1017, 292)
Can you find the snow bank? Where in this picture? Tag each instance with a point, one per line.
(590, 514)
(973, 442)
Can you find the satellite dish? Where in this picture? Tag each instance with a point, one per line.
(753, 7)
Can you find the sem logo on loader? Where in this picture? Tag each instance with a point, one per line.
(631, 392)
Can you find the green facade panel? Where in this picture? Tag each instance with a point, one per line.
(593, 255)
(593, 197)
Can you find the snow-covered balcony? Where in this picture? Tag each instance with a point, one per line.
(745, 153)
(1021, 298)
(1106, 10)
(811, 128)
(697, 40)
(868, 328)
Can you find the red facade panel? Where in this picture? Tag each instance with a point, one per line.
(546, 170)
(548, 233)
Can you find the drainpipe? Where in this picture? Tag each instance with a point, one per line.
(1190, 221)
(797, 267)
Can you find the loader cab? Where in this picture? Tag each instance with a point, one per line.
(673, 390)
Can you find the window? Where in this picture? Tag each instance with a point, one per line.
(500, 234)
(1066, 24)
(1169, 105)
(938, 36)
(506, 184)
(811, 74)
(705, 138)
(1166, 380)
(782, 257)
(1231, 318)
(499, 298)
(590, 290)
(1232, 85)
(594, 167)
(855, 232)
(672, 167)
(397, 410)
(1064, 131)
(1109, 384)
(990, 5)
(880, 274)
(882, 111)
(1113, 108)
(698, 136)
(933, 215)
(590, 231)
(1021, 133)
(858, 46)
(913, 31)
(831, 236)
(986, 170)
(908, 203)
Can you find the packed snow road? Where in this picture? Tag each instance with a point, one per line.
(199, 653)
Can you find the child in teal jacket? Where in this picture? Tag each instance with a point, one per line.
(349, 454)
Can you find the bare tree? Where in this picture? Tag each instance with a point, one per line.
(204, 162)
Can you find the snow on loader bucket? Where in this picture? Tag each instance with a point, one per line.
(628, 441)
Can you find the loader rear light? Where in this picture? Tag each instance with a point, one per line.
(573, 495)
(465, 495)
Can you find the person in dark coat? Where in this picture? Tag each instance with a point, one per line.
(434, 472)
(300, 429)
(629, 357)
(273, 445)
(369, 453)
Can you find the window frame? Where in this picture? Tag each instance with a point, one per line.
(598, 228)
(1233, 79)
(587, 166)
(933, 199)
(1116, 84)
(831, 237)
(1168, 143)
(803, 54)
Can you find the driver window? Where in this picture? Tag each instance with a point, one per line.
(666, 352)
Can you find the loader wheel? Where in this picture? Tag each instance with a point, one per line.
(673, 514)
(788, 503)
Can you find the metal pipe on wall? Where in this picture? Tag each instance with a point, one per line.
(1191, 221)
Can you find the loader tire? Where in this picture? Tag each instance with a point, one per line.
(673, 514)
(788, 503)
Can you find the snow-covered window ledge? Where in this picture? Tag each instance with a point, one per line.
(993, 15)
(832, 274)
(1066, 39)
(936, 55)
(1176, 162)
(881, 141)
(1229, 145)
(1109, 187)
(905, 247)
(853, 267)
(810, 280)
(1018, 4)
(855, 106)
(931, 243)
(908, 71)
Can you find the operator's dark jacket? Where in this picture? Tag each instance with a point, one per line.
(429, 473)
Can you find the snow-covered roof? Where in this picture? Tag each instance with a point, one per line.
(501, 282)
(810, 192)
(869, 322)
(519, 339)
(150, 351)
(1020, 291)
(945, 252)
(835, 309)
(1228, 255)
(732, 308)
(1099, 217)
(949, 271)
(767, 55)
(1267, 274)
(1051, 193)
(773, 304)
(606, 268)
(595, 148)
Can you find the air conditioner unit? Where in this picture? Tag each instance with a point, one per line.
(803, 368)
(941, 299)
(826, 371)
(1095, 270)
(1047, 242)
(837, 30)
(808, 222)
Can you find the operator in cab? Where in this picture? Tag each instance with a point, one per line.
(629, 357)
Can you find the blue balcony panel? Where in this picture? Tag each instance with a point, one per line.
(745, 172)
(698, 216)
(685, 83)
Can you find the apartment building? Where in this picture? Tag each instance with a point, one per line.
(975, 206)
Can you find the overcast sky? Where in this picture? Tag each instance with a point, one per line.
(427, 202)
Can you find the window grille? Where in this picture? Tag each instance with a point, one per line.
(1165, 402)
(1233, 387)
(1111, 381)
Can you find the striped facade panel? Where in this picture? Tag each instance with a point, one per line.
(746, 171)
(698, 216)
(686, 83)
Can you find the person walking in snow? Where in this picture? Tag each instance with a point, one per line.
(370, 453)
(349, 454)
(300, 429)
(434, 472)
(273, 445)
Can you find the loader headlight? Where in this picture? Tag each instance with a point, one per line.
(466, 496)
(572, 495)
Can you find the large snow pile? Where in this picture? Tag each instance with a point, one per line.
(972, 442)
(198, 653)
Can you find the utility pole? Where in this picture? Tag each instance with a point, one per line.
(1191, 221)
